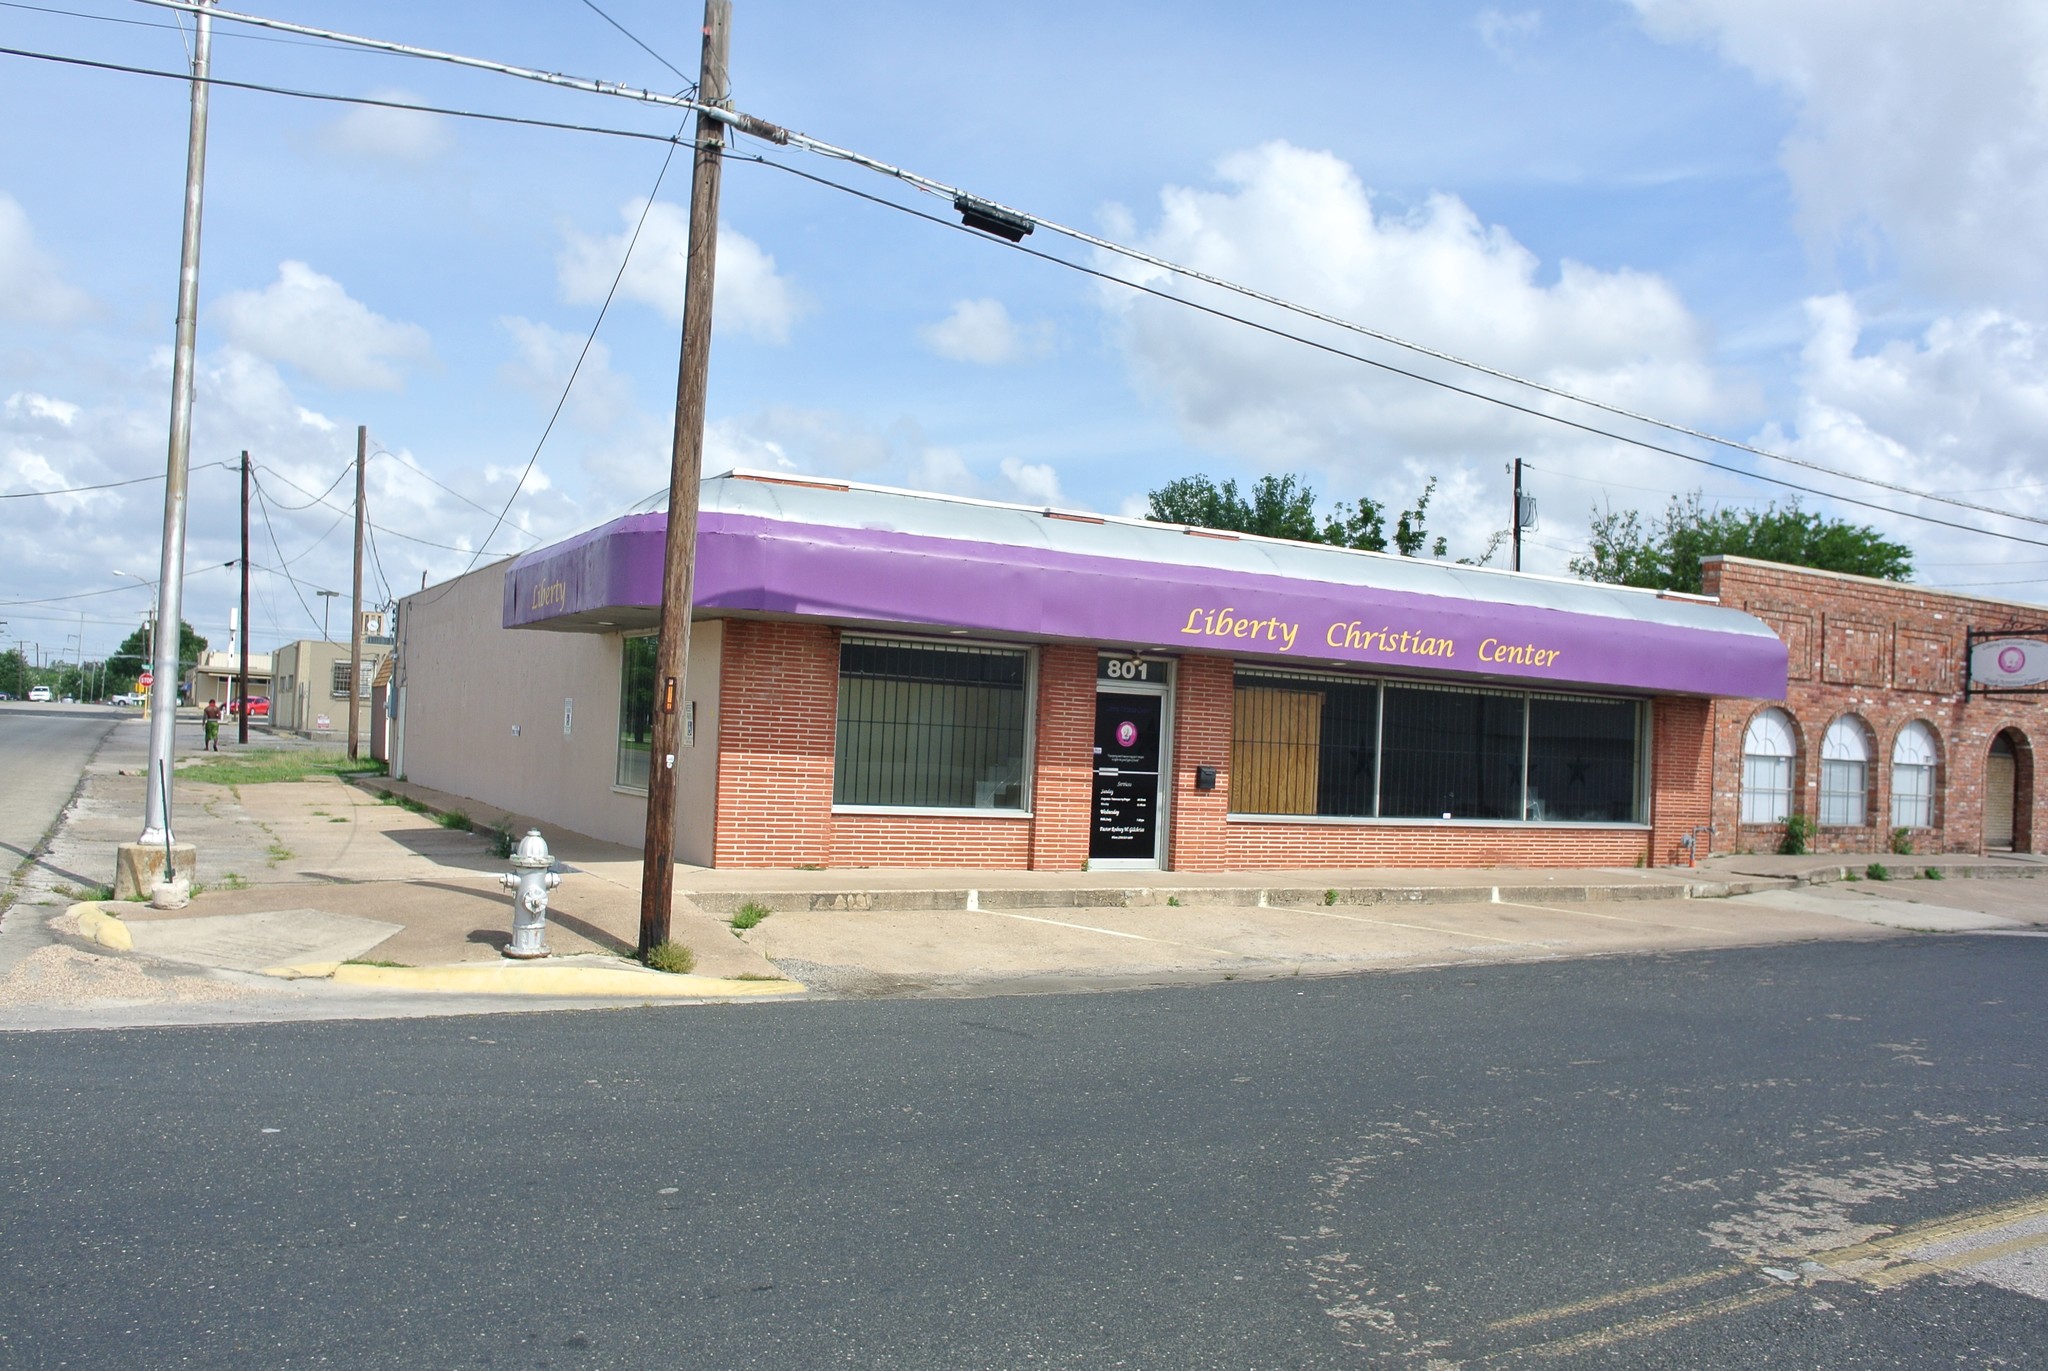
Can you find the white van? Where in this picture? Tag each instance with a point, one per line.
(39, 695)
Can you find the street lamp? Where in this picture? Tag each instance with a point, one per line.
(326, 599)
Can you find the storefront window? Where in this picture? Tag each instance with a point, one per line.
(1342, 747)
(931, 726)
(636, 711)
(1584, 759)
(1304, 745)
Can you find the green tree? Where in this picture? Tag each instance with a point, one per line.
(1285, 507)
(14, 673)
(129, 660)
(1627, 550)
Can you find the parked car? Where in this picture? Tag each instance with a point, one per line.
(259, 707)
(39, 695)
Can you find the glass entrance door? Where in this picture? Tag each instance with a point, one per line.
(1126, 825)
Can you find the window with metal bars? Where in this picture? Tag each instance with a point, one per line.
(931, 725)
(1344, 747)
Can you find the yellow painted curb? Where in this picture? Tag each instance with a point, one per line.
(486, 978)
(102, 927)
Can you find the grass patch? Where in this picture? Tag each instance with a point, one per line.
(233, 881)
(277, 764)
(1878, 871)
(279, 852)
(454, 818)
(91, 892)
(749, 914)
(373, 961)
(673, 957)
(1934, 873)
(758, 976)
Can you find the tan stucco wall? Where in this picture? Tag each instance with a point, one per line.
(303, 689)
(467, 684)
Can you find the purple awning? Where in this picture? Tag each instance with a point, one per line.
(611, 577)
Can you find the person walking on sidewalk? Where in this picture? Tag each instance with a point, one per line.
(211, 719)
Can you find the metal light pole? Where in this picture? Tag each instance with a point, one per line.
(326, 598)
(156, 820)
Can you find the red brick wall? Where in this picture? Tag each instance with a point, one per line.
(1063, 767)
(778, 716)
(1889, 654)
(1681, 779)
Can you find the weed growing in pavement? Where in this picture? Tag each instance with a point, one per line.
(234, 881)
(1329, 897)
(1878, 871)
(277, 764)
(454, 818)
(1851, 876)
(673, 957)
(749, 914)
(1902, 841)
(1934, 873)
(758, 976)
(87, 893)
(1173, 902)
(500, 834)
(1798, 836)
(279, 852)
(373, 961)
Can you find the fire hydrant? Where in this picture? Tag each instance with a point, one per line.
(532, 879)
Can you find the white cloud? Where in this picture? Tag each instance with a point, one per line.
(308, 321)
(982, 331)
(749, 296)
(393, 135)
(547, 356)
(1920, 128)
(1298, 224)
(1960, 408)
(1501, 31)
(32, 288)
(1035, 482)
(27, 404)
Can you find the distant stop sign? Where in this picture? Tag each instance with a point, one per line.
(147, 678)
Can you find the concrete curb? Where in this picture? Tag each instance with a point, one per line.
(588, 980)
(101, 927)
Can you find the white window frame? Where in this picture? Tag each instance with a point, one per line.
(1915, 755)
(1845, 774)
(1769, 747)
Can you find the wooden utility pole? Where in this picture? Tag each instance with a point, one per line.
(355, 635)
(1515, 518)
(242, 673)
(686, 466)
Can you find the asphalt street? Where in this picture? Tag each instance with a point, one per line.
(1693, 1159)
(43, 751)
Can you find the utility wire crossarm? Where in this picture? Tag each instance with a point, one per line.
(778, 134)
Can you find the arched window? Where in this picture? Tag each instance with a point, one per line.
(1844, 773)
(1767, 752)
(1913, 758)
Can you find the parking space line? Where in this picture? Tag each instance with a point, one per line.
(1395, 923)
(1615, 918)
(1115, 933)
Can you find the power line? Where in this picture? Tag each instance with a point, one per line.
(317, 499)
(105, 485)
(178, 28)
(689, 83)
(1424, 378)
(263, 505)
(777, 134)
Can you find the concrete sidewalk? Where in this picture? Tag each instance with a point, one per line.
(326, 898)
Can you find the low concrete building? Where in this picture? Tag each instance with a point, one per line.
(312, 694)
(213, 677)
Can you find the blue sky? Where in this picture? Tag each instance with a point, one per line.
(1811, 230)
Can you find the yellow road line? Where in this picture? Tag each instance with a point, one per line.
(1641, 1292)
(1887, 1261)
(1654, 1324)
